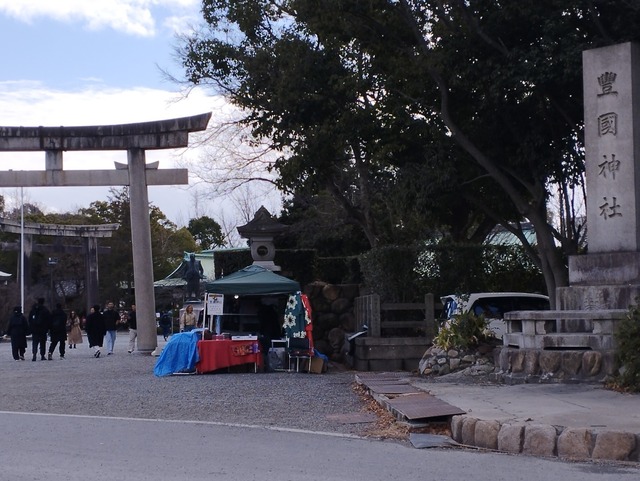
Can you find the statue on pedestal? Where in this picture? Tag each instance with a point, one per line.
(193, 273)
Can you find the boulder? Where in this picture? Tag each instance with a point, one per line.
(486, 434)
(614, 445)
(591, 363)
(331, 292)
(340, 305)
(510, 438)
(575, 443)
(549, 361)
(469, 431)
(539, 440)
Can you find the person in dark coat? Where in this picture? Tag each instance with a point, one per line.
(58, 331)
(95, 330)
(270, 329)
(132, 322)
(18, 329)
(111, 321)
(165, 323)
(39, 324)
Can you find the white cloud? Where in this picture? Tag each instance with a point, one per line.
(180, 25)
(32, 103)
(133, 17)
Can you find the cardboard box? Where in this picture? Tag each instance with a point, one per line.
(317, 365)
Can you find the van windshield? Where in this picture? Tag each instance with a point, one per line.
(492, 307)
(495, 307)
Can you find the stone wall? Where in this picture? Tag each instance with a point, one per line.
(438, 362)
(511, 365)
(533, 365)
(334, 320)
(333, 316)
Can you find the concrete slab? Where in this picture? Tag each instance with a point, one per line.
(576, 406)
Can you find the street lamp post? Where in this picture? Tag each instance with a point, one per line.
(52, 262)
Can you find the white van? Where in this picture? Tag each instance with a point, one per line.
(493, 305)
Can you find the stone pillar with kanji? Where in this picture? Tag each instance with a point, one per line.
(608, 276)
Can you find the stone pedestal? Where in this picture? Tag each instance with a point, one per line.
(608, 280)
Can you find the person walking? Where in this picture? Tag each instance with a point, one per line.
(75, 332)
(39, 324)
(111, 321)
(165, 323)
(132, 322)
(17, 330)
(58, 331)
(96, 330)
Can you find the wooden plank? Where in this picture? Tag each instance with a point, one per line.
(403, 306)
(423, 406)
(402, 324)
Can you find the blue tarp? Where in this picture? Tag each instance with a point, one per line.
(179, 355)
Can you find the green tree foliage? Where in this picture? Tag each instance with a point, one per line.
(206, 232)
(418, 115)
(317, 222)
(319, 106)
(116, 269)
(389, 272)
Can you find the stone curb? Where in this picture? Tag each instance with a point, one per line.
(533, 439)
(576, 444)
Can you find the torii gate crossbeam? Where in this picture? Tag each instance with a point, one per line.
(135, 139)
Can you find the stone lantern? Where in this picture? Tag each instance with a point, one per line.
(260, 232)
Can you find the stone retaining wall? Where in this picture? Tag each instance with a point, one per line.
(514, 365)
(438, 362)
(534, 365)
(333, 316)
(546, 440)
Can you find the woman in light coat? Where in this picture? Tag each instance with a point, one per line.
(188, 320)
(74, 334)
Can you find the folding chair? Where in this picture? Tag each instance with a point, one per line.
(298, 348)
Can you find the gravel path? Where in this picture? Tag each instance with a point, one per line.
(124, 385)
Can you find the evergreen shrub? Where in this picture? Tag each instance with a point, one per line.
(463, 331)
(627, 338)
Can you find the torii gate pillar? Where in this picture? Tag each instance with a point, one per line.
(141, 245)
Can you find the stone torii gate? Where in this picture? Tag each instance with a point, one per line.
(135, 139)
(89, 249)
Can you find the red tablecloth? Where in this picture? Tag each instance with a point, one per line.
(219, 354)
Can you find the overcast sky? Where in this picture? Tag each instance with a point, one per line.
(93, 62)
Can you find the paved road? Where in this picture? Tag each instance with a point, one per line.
(76, 448)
